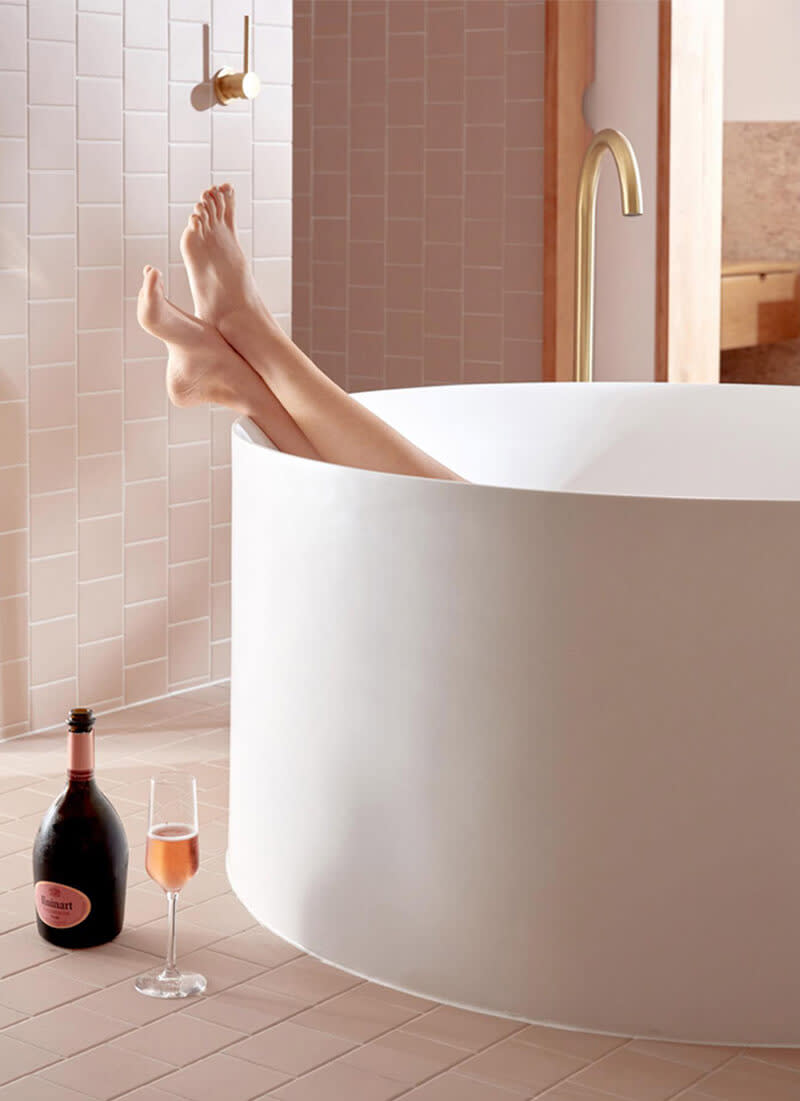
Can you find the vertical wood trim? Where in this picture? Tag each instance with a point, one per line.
(662, 190)
(569, 69)
(689, 331)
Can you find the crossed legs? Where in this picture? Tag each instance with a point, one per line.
(233, 353)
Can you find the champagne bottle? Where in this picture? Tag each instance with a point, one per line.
(80, 855)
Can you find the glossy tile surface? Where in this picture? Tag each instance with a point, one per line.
(275, 1023)
(417, 190)
(103, 155)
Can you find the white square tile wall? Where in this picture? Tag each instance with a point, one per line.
(115, 527)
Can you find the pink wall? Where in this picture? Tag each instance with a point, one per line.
(114, 507)
(626, 57)
(418, 189)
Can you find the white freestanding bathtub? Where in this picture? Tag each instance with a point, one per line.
(532, 745)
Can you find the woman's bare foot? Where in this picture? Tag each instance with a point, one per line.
(202, 367)
(219, 275)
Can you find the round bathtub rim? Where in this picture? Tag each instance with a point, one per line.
(248, 433)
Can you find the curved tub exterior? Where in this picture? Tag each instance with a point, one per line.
(535, 753)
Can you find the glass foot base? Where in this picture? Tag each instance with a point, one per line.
(160, 983)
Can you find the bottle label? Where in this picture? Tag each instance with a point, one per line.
(60, 907)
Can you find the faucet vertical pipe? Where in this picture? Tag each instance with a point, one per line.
(631, 194)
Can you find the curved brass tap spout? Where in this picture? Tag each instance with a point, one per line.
(630, 186)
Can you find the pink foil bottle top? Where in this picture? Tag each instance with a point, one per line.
(80, 743)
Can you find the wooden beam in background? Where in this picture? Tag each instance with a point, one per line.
(689, 225)
(569, 70)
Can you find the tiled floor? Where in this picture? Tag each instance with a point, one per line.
(275, 1023)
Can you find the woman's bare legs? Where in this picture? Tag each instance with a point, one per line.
(203, 368)
(225, 296)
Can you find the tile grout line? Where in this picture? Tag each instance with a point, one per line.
(684, 1090)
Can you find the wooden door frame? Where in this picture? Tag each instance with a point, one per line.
(568, 72)
(689, 191)
(688, 187)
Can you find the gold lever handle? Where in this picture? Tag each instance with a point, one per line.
(229, 85)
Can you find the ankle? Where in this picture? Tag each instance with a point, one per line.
(251, 318)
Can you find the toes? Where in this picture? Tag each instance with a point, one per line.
(151, 300)
(202, 214)
(228, 204)
(215, 201)
(150, 279)
(211, 207)
(193, 231)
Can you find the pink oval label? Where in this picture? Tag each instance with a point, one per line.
(60, 907)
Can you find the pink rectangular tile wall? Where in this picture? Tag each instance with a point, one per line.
(114, 507)
(418, 133)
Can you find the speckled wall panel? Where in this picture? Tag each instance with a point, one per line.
(761, 191)
(761, 221)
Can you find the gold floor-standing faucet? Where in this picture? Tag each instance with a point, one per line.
(631, 190)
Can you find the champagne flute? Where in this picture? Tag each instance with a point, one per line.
(171, 859)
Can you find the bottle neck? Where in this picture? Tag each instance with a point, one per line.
(80, 755)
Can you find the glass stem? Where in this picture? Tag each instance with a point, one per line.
(172, 904)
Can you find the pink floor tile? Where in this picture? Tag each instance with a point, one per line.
(355, 1016)
(246, 1008)
(123, 1003)
(23, 948)
(148, 1093)
(259, 946)
(583, 1045)
(398, 997)
(780, 1056)
(566, 1091)
(40, 989)
(9, 1016)
(68, 1030)
(454, 1087)
(103, 966)
(406, 1058)
(511, 1063)
(144, 905)
(15, 779)
(339, 1080)
(704, 1056)
(105, 1072)
(207, 884)
(746, 1079)
(18, 1058)
(34, 1088)
(221, 1076)
(308, 980)
(15, 870)
(152, 937)
(221, 971)
(290, 1048)
(224, 913)
(638, 1077)
(461, 1028)
(179, 1039)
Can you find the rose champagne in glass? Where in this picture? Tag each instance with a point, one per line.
(171, 859)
